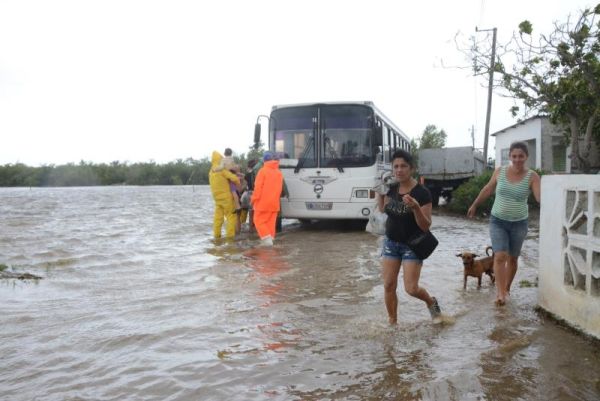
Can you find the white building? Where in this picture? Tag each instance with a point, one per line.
(546, 142)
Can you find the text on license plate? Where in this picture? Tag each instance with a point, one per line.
(319, 205)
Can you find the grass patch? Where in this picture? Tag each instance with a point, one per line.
(526, 284)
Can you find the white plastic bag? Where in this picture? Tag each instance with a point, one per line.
(384, 182)
(376, 224)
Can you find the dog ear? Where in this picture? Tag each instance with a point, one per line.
(475, 256)
(459, 255)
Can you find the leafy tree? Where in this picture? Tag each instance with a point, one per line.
(414, 148)
(432, 137)
(256, 152)
(557, 74)
(178, 172)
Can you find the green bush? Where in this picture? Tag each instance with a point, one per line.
(464, 195)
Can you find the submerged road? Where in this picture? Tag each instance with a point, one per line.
(138, 302)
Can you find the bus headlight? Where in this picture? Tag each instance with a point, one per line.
(361, 193)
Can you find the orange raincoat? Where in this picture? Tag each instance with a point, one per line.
(266, 197)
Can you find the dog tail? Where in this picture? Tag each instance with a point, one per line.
(489, 248)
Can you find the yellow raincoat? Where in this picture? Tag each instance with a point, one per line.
(221, 192)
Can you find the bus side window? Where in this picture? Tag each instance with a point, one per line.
(386, 144)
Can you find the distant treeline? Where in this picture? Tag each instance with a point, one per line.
(179, 172)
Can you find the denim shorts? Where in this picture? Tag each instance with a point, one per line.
(507, 236)
(397, 250)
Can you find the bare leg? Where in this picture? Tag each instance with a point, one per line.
(238, 223)
(501, 273)
(251, 221)
(512, 264)
(412, 272)
(391, 268)
(236, 200)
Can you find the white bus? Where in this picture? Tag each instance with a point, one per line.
(331, 156)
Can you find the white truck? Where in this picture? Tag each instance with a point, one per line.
(442, 170)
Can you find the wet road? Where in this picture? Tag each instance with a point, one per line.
(138, 302)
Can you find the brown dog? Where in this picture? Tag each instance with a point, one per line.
(476, 268)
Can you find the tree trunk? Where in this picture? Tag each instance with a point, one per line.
(574, 156)
(579, 159)
(587, 143)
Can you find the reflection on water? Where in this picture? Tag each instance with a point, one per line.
(139, 302)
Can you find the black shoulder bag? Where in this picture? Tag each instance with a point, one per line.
(422, 244)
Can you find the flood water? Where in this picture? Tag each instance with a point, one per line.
(137, 302)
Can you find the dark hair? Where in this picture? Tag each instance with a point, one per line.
(519, 145)
(228, 152)
(252, 163)
(406, 156)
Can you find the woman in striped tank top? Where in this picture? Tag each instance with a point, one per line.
(508, 222)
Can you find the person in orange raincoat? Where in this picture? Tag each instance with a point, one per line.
(224, 207)
(265, 198)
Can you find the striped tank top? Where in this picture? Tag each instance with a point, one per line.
(511, 198)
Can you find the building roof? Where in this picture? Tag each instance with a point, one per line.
(522, 122)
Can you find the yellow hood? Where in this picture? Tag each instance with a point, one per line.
(215, 159)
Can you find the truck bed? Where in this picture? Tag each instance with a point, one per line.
(450, 163)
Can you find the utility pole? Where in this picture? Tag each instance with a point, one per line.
(489, 100)
(473, 135)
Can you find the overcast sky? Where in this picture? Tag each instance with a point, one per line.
(163, 80)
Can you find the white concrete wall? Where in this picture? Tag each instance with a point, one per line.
(530, 130)
(569, 270)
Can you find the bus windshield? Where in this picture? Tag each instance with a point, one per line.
(346, 136)
(323, 136)
(294, 131)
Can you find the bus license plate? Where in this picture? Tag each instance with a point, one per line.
(319, 205)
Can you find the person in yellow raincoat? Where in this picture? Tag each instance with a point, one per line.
(224, 207)
(265, 198)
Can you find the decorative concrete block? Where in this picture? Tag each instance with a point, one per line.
(569, 270)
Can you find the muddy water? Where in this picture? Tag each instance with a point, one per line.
(137, 302)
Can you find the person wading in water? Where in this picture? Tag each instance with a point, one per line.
(408, 206)
(509, 217)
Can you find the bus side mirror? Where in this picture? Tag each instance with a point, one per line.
(256, 135)
(377, 136)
